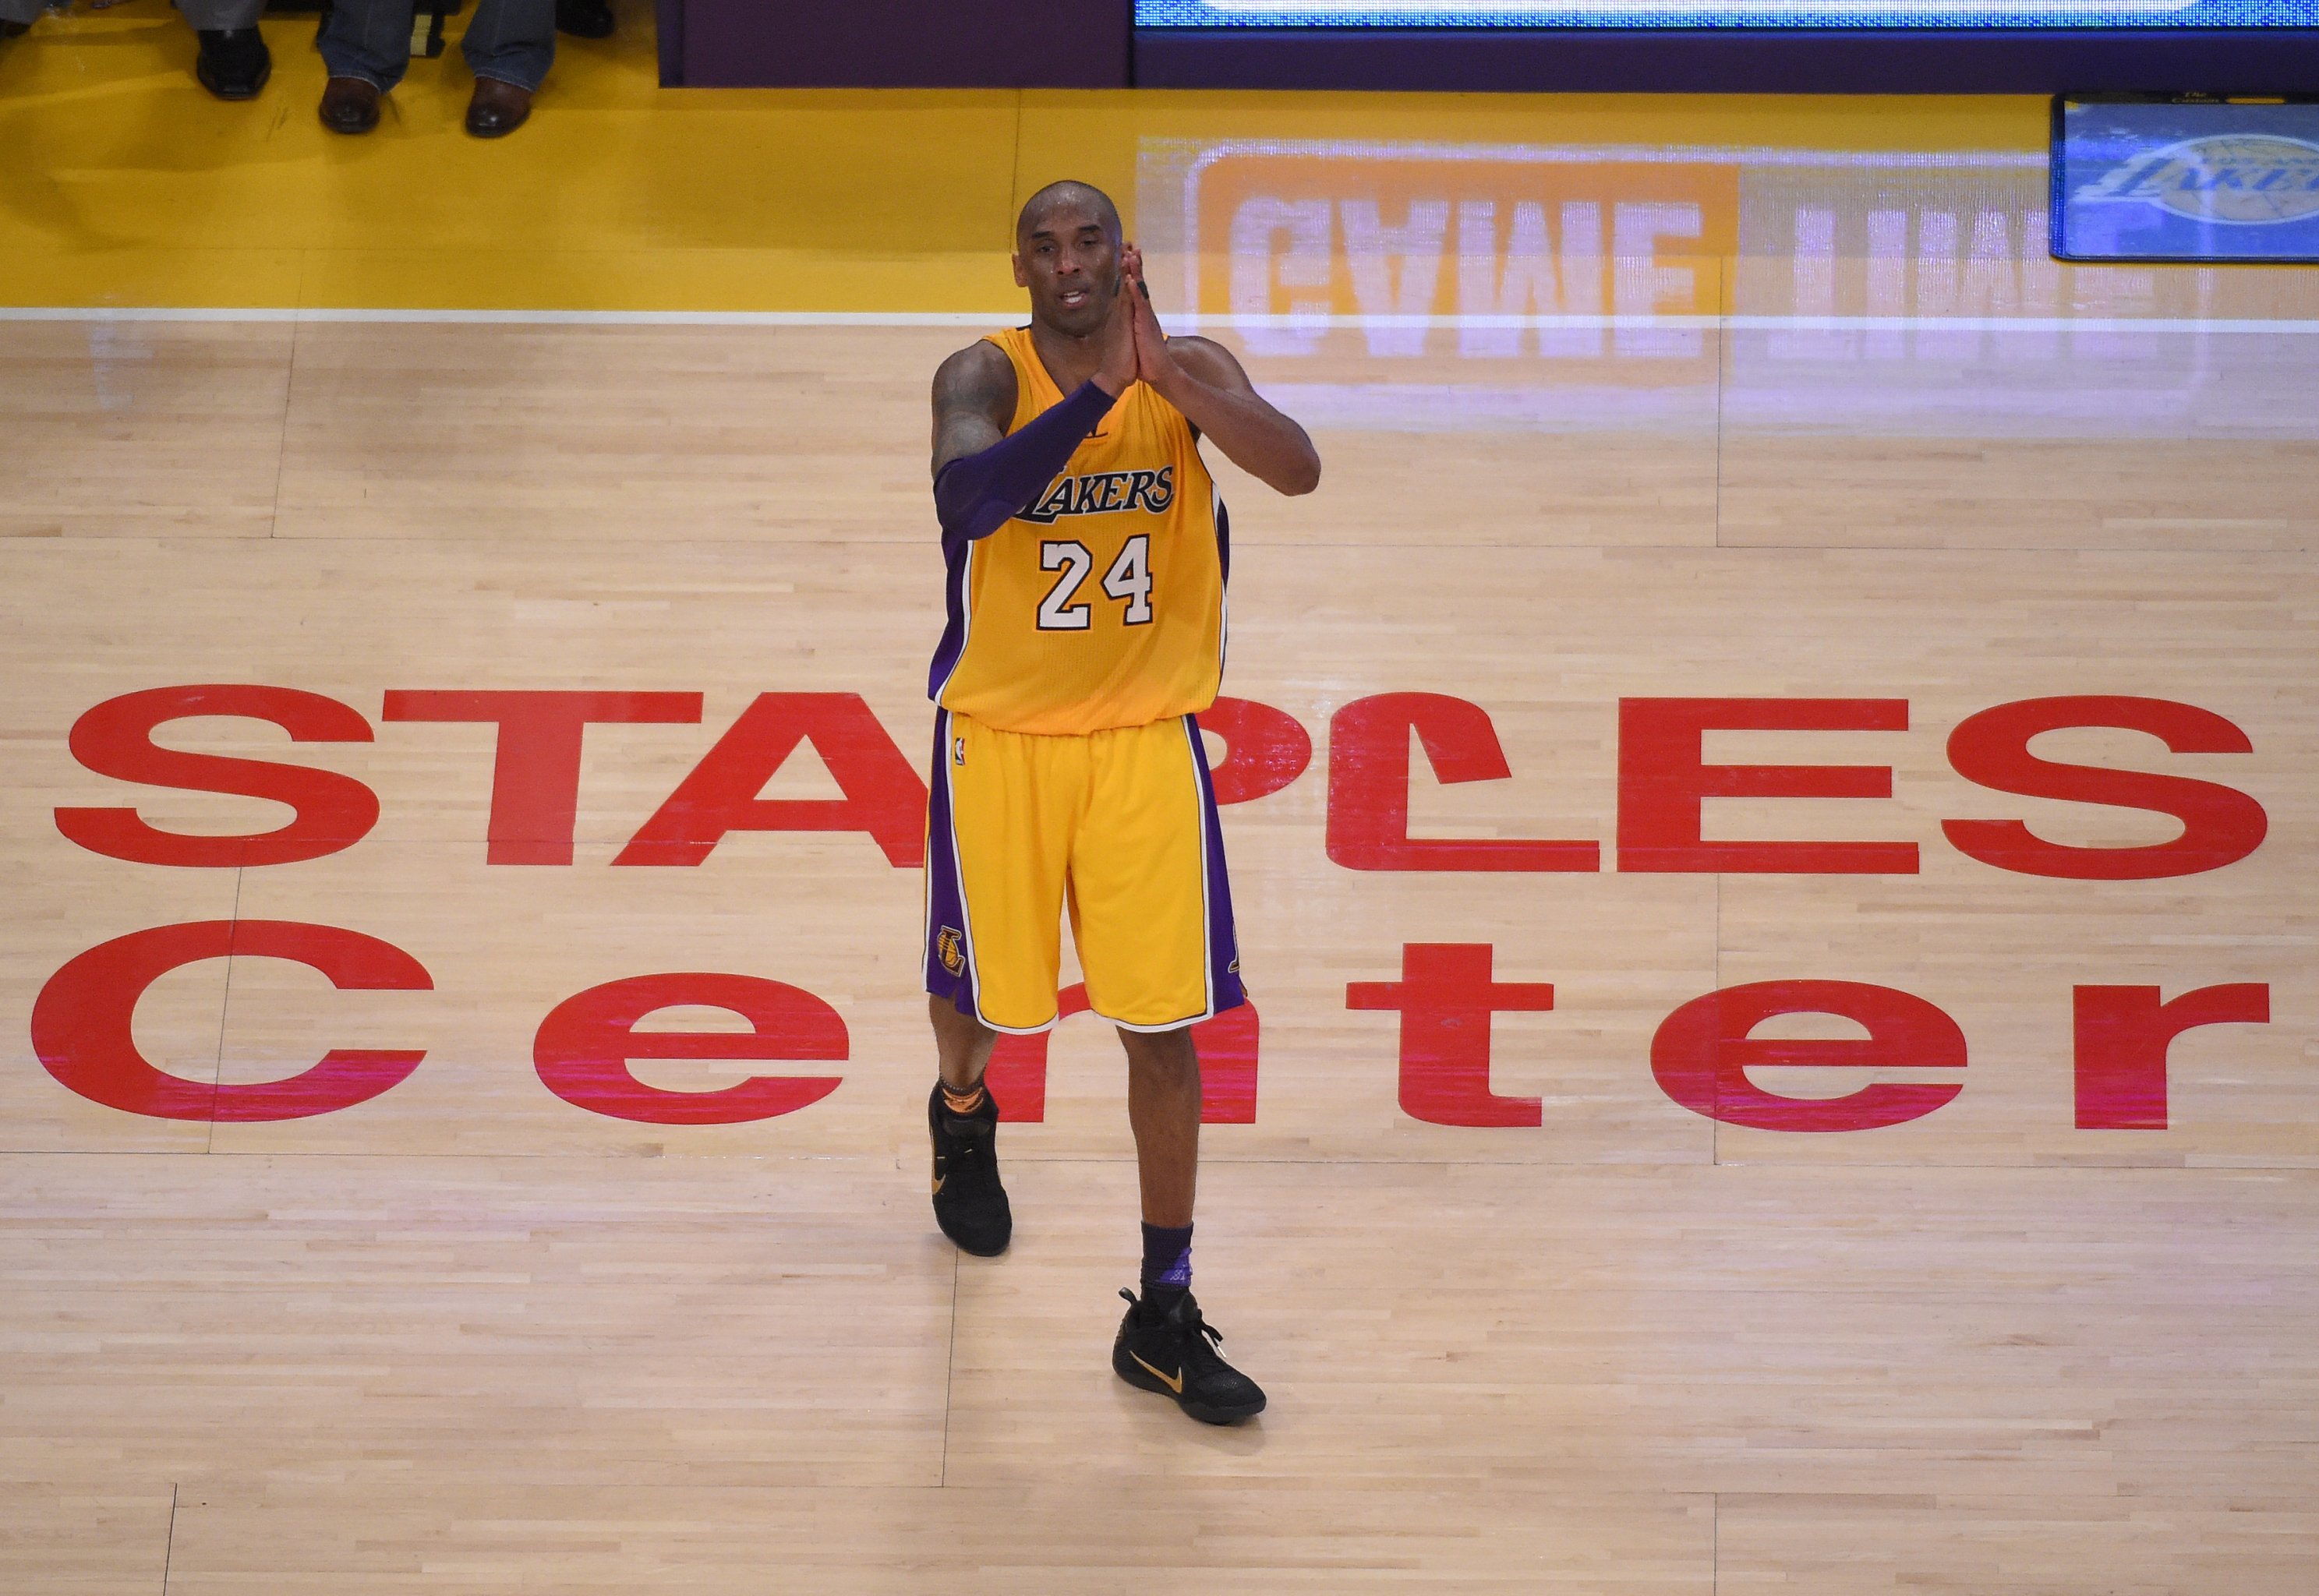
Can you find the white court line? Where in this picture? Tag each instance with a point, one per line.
(511, 318)
(1180, 320)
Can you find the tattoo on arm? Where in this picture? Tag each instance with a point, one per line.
(974, 400)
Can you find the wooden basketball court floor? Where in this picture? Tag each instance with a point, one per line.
(1626, 406)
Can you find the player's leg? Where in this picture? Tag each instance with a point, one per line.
(1163, 1109)
(994, 892)
(1153, 916)
(963, 1045)
(970, 1199)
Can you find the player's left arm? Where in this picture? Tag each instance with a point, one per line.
(1203, 380)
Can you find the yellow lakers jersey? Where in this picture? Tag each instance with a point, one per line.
(1101, 605)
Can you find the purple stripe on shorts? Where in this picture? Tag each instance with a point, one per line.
(1223, 942)
(949, 956)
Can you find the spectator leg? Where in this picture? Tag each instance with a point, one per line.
(369, 40)
(513, 41)
(204, 15)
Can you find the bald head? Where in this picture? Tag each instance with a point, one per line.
(1069, 200)
(1067, 253)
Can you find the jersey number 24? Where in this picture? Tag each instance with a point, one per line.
(1129, 580)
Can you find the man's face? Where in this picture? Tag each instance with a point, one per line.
(1070, 264)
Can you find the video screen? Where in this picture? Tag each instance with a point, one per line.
(2201, 181)
(1726, 13)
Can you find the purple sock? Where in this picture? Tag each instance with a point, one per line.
(1167, 1266)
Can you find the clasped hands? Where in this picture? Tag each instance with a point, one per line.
(1133, 347)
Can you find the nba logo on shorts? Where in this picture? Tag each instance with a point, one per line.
(951, 949)
(958, 751)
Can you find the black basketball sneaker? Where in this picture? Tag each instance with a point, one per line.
(1175, 1354)
(969, 1204)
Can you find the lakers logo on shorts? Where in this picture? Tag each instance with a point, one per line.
(950, 947)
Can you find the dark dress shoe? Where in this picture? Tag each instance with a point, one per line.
(234, 63)
(584, 19)
(497, 109)
(349, 105)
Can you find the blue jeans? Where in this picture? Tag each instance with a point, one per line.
(513, 41)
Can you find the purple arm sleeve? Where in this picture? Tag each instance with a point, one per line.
(976, 494)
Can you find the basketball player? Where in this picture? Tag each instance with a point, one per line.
(1087, 553)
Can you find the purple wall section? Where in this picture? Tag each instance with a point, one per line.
(895, 43)
(668, 23)
(1094, 44)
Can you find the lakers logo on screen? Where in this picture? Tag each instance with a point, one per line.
(2249, 179)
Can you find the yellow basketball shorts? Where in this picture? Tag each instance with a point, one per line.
(1119, 827)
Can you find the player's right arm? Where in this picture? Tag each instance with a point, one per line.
(974, 399)
(984, 475)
